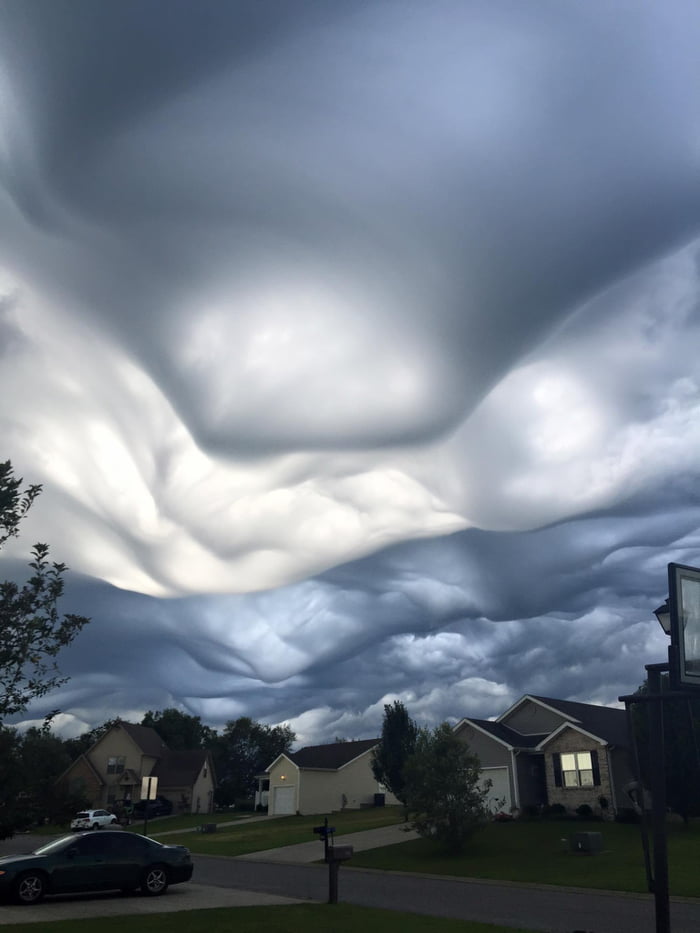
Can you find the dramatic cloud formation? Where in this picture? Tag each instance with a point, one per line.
(355, 346)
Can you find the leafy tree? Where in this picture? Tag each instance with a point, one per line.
(243, 750)
(442, 786)
(32, 632)
(179, 730)
(10, 780)
(397, 743)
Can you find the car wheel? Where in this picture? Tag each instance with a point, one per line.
(30, 887)
(95, 825)
(155, 880)
(114, 821)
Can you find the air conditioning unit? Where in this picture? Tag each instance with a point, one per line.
(590, 843)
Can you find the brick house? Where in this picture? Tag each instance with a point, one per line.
(547, 751)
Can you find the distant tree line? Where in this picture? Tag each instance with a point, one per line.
(33, 760)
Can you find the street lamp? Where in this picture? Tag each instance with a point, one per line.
(679, 617)
(663, 614)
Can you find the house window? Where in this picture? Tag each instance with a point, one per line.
(576, 769)
(116, 765)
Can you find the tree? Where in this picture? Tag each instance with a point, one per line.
(397, 743)
(32, 632)
(442, 785)
(179, 730)
(243, 750)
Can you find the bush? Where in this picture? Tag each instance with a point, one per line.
(554, 811)
(584, 812)
(246, 804)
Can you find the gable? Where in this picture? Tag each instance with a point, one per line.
(532, 716)
(565, 734)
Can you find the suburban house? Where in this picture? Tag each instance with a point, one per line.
(111, 770)
(323, 778)
(543, 751)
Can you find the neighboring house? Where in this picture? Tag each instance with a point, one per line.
(547, 751)
(111, 770)
(324, 778)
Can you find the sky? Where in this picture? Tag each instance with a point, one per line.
(355, 345)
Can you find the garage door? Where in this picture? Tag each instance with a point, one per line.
(499, 793)
(283, 800)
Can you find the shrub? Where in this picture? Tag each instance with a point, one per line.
(554, 811)
(584, 812)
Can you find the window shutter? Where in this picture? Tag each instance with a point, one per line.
(556, 761)
(596, 769)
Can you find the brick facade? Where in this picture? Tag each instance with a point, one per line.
(570, 740)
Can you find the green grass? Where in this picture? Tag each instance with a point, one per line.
(159, 823)
(340, 918)
(534, 852)
(282, 831)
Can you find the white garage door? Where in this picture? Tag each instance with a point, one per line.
(283, 800)
(499, 793)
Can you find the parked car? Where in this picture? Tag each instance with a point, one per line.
(161, 806)
(94, 862)
(93, 819)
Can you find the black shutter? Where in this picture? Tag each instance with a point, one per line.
(556, 761)
(596, 769)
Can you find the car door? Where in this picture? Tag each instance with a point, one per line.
(84, 865)
(128, 858)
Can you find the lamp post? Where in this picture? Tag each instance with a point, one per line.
(679, 617)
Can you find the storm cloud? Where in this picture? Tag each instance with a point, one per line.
(355, 346)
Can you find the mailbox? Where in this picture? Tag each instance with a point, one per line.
(339, 853)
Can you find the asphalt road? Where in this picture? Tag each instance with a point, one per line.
(234, 882)
(551, 909)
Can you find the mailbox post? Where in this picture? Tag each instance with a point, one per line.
(333, 856)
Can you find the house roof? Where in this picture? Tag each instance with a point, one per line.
(506, 734)
(601, 721)
(330, 757)
(146, 738)
(179, 768)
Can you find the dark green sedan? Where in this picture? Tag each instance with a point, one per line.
(94, 862)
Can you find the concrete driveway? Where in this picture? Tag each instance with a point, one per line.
(188, 896)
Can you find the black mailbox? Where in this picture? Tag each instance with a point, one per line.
(324, 830)
(339, 853)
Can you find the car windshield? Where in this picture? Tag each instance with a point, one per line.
(54, 845)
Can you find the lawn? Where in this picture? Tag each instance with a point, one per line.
(255, 836)
(160, 823)
(341, 918)
(537, 852)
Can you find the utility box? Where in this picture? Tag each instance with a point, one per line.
(339, 853)
(588, 843)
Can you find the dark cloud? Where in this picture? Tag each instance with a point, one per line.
(354, 345)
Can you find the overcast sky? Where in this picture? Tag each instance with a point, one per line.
(355, 345)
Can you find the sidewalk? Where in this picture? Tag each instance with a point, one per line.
(312, 851)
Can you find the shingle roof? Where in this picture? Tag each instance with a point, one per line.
(506, 734)
(602, 721)
(330, 757)
(146, 738)
(179, 768)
